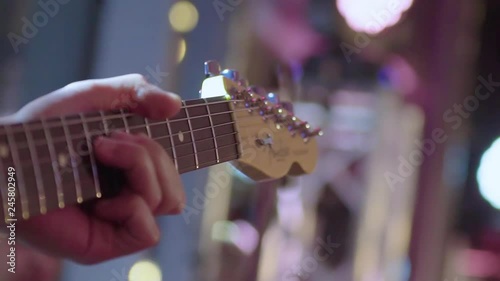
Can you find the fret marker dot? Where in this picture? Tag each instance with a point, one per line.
(4, 151)
(62, 159)
(61, 205)
(181, 136)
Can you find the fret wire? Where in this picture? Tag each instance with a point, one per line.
(120, 116)
(236, 156)
(213, 130)
(147, 127)
(93, 162)
(20, 178)
(192, 137)
(105, 124)
(36, 169)
(184, 170)
(57, 175)
(237, 127)
(76, 174)
(3, 191)
(125, 121)
(174, 154)
(190, 154)
(192, 168)
(225, 135)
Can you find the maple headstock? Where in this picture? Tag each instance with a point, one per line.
(273, 142)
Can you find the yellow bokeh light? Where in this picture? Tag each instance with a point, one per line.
(183, 16)
(144, 270)
(181, 51)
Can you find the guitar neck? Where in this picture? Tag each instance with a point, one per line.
(54, 162)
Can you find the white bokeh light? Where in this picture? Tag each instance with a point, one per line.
(488, 174)
(372, 16)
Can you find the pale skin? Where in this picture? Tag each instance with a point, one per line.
(124, 224)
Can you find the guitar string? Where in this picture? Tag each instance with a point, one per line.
(62, 139)
(50, 160)
(209, 162)
(114, 114)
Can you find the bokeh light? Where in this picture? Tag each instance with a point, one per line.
(239, 233)
(488, 174)
(181, 51)
(183, 16)
(145, 270)
(372, 16)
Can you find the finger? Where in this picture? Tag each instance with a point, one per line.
(125, 225)
(136, 162)
(173, 196)
(130, 91)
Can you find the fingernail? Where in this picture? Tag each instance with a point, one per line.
(153, 229)
(177, 209)
(174, 96)
(141, 92)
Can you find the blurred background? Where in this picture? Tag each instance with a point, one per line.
(406, 92)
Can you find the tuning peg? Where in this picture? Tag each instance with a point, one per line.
(317, 132)
(243, 83)
(266, 110)
(307, 134)
(304, 125)
(272, 97)
(231, 74)
(291, 122)
(259, 91)
(212, 68)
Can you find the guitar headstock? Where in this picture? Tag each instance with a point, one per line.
(273, 142)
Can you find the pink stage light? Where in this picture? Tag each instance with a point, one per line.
(372, 16)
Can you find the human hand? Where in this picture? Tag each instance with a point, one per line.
(126, 223)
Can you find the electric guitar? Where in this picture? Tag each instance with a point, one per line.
(48, 164)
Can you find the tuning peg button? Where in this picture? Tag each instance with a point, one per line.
(272, 97)
(212, 68)
(307, 134)
(243, 83)
(231, 74)
(317, 132)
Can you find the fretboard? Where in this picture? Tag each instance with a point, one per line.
(55, 165)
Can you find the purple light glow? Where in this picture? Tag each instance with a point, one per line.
(372, 16)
